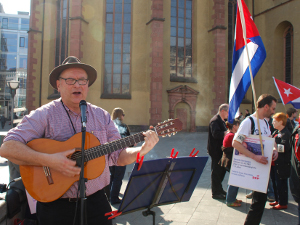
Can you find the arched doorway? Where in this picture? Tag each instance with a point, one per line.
(187, 95)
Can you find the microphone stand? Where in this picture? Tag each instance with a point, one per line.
(82, 180)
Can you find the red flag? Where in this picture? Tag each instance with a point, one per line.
(288, 93)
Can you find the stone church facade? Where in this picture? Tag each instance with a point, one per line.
(158, 59)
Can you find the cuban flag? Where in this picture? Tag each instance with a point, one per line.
(240, 80)
(289, 94)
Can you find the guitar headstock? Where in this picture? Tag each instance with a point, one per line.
(168, 127)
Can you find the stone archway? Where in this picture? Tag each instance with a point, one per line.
(183, 93)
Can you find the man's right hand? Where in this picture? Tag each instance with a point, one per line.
(60, 162)
(261, 159)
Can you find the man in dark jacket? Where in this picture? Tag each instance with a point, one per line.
(216, 133)
(292, 114)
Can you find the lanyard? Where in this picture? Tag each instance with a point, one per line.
(68, 116)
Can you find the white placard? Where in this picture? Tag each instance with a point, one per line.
(246, 172)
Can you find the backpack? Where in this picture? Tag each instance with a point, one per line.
(253, 124)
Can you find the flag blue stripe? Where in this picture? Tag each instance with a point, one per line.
(295, 104)
(245, 82)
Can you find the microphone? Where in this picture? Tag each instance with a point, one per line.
(82, 106)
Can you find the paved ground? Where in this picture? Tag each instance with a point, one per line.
(201, 209)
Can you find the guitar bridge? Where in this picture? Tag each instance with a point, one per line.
(48, 175)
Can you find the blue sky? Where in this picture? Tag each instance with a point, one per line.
(13, 6)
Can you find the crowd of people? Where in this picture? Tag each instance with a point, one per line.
(224, 137)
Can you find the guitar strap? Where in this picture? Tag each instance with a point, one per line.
(68, 116)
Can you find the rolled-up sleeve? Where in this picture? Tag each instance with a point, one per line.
(31, 127)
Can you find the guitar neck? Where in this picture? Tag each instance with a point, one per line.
(101, 150)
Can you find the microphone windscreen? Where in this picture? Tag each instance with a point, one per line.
(82, 102)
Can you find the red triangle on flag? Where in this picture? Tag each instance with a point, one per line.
(251, 29)
(286, 91)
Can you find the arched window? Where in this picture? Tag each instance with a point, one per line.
(117, 49)
(62, 27)
(181, 39)
(288, 55)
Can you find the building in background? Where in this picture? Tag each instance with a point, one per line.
(13, 58)
(158, 59)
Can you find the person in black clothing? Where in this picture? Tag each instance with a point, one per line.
(117, 172)
(3, 120)
(283, 162)
(247, 113)
(295, 171)
(216, 133)
(290, 124)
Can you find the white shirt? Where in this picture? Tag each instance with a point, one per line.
(245, 129)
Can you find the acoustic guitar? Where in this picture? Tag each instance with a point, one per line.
(46, 185)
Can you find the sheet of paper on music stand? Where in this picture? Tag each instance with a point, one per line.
(147, 184)
(246, 172)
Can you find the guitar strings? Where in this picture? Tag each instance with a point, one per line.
(136, 138)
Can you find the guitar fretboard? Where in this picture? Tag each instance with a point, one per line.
(101, 150)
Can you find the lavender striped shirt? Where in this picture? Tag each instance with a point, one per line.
(51, 121)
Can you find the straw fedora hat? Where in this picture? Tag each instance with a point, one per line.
(72, 62)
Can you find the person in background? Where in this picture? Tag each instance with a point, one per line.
(295, 171)
(216, 134)
(241, 117)
(283, 162)
(3, 120)
(272, 187)
(226, 162)
(247, 113)
(291, 114)
(117, 172)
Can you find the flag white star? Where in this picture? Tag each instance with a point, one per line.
(287, 92)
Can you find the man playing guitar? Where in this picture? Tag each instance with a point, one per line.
(60, 120)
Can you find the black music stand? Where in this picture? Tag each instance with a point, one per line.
(160, 182)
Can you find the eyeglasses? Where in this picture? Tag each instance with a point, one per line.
(71, 81)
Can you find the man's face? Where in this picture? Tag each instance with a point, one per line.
(294, 115)
(72, 94)
(224, 114)
(270, 110)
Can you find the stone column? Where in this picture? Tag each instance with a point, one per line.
(157, 25)
(220, 39)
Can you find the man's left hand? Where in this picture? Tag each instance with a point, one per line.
(151, 140)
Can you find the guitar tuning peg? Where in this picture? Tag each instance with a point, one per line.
(158, 123)
(169, 135)
(163, 136)
(174, 133)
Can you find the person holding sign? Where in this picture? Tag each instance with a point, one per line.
(283, 163)
(266, 105)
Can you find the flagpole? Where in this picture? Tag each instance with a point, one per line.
(250, 69)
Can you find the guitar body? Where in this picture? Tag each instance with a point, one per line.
(45, 188)
(34, 177)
